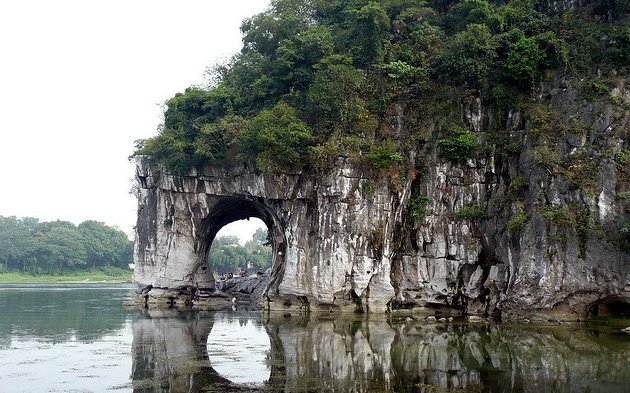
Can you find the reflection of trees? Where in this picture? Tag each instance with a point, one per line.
(57, 315)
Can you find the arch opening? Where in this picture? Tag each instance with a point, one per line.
(269, 252)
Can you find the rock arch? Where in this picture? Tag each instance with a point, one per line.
(233, 208)
(348, 240)
(324, 239)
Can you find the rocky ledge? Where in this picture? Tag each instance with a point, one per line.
(228, 294)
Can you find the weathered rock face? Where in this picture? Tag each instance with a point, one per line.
(550, 247)
(332, 240)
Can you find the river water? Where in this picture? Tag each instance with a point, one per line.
(80, 338)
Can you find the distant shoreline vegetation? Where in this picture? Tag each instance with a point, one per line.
(56, 251)
(112, 275)
(60, 251)
(227, 255)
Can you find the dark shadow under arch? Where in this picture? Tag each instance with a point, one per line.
(611, 306)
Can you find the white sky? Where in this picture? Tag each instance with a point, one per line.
(81, 80)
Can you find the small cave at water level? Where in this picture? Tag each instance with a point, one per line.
(610, 307)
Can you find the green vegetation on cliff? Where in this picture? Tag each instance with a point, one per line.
(539, 89)
(316, 79)
(61, 248)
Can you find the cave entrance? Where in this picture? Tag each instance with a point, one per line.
(226, 253)
(612, 306)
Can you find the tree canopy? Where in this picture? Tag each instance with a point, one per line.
(318, 75)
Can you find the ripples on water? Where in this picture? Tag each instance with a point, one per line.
(79, 338)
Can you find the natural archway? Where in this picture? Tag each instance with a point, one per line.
(343, 239)
(324, 244)
(231, 209)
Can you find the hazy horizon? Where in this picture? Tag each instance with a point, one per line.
(81, 81)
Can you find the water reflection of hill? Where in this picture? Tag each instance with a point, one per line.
(378, 355)
(311, 354)
(57, 314)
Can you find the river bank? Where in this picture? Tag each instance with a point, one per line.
(117, 276)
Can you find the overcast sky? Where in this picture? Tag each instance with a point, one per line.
(81, 80)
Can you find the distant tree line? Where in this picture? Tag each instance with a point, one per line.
(227, 255)
(58, 246)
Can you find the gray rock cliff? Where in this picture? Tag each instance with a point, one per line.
(532, 232)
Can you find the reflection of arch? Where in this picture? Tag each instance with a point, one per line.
(278, 356)
(170, 353)
(239, 348)
(160, 342)
(313, 354)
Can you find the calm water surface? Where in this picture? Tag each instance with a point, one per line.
(79, 338)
